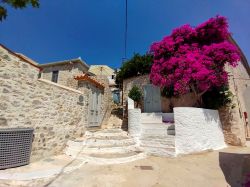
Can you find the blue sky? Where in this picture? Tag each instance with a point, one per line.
(94, 29)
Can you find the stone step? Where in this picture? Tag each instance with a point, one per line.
(102, 150)
(109, 143)
(93, 142)
(171, 132)
(154, 141)
(151, 117)
(116, 130)
(158, 151)
(169, 126)
(109, 137)
(154, 132)
(154, 145)
(120, 160)
(112, 155)
(164, 137)
(155, 126)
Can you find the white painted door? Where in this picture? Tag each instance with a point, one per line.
(152, 98)
(94, 108)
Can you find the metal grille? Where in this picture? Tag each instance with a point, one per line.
(15, 147)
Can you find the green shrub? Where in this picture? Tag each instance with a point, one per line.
(137, 65)
(135, 94)
(217, 98)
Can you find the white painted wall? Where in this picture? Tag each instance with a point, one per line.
(134, 122)
(131, 103)
(197, 130)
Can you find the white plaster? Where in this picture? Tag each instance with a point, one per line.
(131, 104)
(197, 130)
(154, 139)
(151, 117)
(134, 122)
(107, 161)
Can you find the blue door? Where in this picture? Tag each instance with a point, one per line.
(152, 98)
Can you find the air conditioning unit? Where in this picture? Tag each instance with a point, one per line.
(15, 147)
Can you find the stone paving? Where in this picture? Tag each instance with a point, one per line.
(226, 167)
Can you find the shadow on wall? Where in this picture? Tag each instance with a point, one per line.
(211, 115)
(236, 168)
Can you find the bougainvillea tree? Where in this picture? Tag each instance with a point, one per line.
(194, 58)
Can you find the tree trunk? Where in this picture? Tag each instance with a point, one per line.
(198, 96)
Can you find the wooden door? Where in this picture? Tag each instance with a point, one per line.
(152, 98)
(94, 108)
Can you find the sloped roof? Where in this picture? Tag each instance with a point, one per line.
(101, 70)
(243, 57)
(86, 77)
(76, 60)
(21, 57)
(27, 58)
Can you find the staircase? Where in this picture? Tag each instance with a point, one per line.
(157, 138)
(108, 146)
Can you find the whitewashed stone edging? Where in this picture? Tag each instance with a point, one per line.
(107, 161)
(131, 103)
(197, 129)
(134, 122)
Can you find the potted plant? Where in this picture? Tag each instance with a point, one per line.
(135, 94)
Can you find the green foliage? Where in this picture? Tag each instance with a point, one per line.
(135, 94)
(167, 92)
(137, 65)
(217, 98)
(17, 4)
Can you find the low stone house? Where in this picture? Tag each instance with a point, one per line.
(235, 123)
(57, 112)
(63, 72)
(108, 72)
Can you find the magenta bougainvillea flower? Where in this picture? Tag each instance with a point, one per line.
(194, 58)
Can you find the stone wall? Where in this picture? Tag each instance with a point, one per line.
(52, 110)
(167, 104)
(128, 84)
(232, 118)
(66, 73)
(187, 100)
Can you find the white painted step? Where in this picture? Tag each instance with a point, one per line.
(98, 143)
(101, 161)
(104, 150)
(155, 126)
(151, 117)
(171, 132)
(106, 131)
(157, 141)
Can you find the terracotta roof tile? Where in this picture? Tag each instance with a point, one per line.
(85, 77)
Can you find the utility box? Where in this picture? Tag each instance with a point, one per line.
(15, 147)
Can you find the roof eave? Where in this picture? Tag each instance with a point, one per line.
(83, 63)
(243, 57)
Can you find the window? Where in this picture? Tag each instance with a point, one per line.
(55, 76)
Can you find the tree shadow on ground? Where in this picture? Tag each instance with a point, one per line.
(236, 168)
(117, 112)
